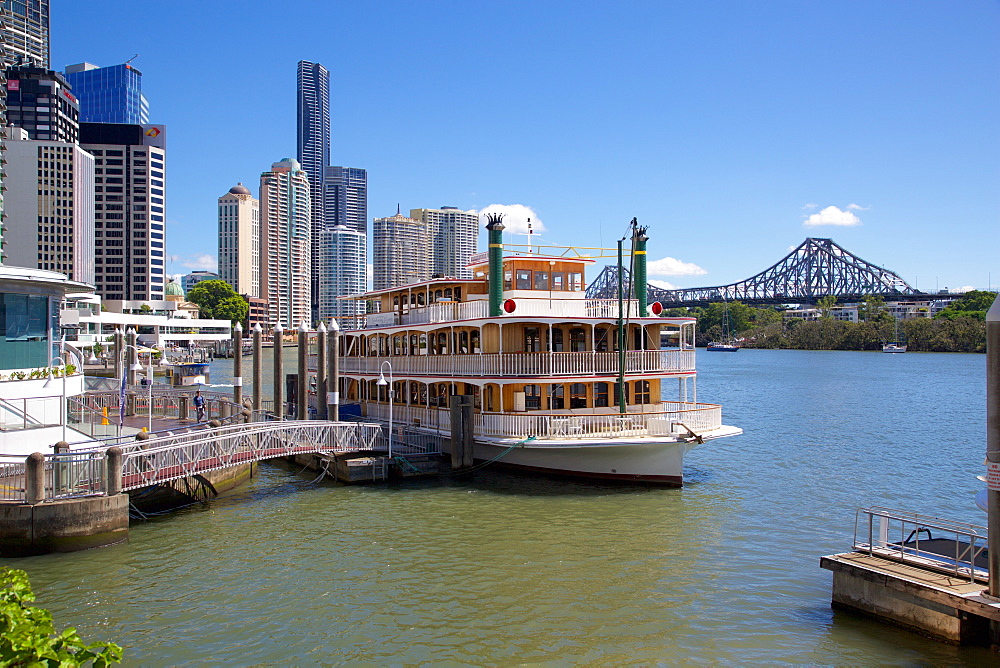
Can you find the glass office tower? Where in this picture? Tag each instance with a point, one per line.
(108, 94)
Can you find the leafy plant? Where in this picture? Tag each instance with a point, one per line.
(17, 375)
(70, 369)
(28, 638)
(98, 348)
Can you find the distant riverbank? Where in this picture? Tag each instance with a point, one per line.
(938, 335)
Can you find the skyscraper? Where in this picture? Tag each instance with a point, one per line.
(453, 239)
(400, 251)
(129, 203)
(345, 197)
(49, 205)
(313, 152)
(108, 94)
(24, 25)
(286, 263)
(239, 240)
(24, 38)
(342, 271)
(313, 136)
(39, 100)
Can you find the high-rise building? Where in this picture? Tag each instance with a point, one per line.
(108, 94)
(239, 240)
(313, 136)
(24, 26)
(24, 39)
(188, 281)
(40, 101)
(49, 206)
(400, 251)
(453, 239)
(286, 263)
(342, 271)
(345, 197)
(313, 152)
(129, 203)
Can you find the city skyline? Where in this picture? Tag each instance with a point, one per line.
(733, 130)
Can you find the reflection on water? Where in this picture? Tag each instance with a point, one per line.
(501, 569)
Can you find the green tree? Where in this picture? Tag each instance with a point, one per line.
(872, 309)
(217, 299)
(28, 638)
(973, 304)
(145, 308)
(825, 305)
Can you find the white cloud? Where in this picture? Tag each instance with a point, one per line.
(857, 207)
(662, 284)
(515, 218)
(810, 206)
(669, 266)
(962, 290)
(200, 262)
(831, 215)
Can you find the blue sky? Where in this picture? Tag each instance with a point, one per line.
(724, 126)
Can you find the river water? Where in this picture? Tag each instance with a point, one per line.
(499, 569)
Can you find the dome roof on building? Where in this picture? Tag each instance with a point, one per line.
(239, 189)
(174, 288)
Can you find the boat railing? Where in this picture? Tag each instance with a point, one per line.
(947, 546)
(663, 419)
(479, 308)
(527, 364)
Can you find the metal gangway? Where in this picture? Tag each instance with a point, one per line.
(166, 457)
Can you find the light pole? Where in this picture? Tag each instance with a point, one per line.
(62, 406)
(381, 381)
(149, 380)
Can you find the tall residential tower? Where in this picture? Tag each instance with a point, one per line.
(453, 239)
(239, 240)
(286, 263)
(401, 251)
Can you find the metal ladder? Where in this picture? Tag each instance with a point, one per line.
(380, 468)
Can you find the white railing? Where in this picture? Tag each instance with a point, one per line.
(661, 419)
(526, 364)
(169, 457)
(479, 308)
(947, 546)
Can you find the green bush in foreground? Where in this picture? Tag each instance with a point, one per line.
(27, 637)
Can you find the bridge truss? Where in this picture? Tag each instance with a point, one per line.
(815, 269)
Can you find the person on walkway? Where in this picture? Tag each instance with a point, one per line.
(199, 405)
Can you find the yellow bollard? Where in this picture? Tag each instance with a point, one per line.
(144, 430)
(104, 413)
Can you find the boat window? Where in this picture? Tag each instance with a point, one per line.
(626, 394)
(558, 280)
(556, 397)
(437, 295)
(463, 343)
(600, 395)
(601, 338)
(576, 281)
(533, 397)
(557, 340)
(477, 401)
(447, 293)
(508, 276)
(396, 346)
(420, 299)
(423, 344)
(458, 294)
(489, 398)
(413, 345)
(577, 340)
(541, 280)
(442, 344)
(642, 391)
(578, 395)
(474, 341)
(523, 279)
(532, 340)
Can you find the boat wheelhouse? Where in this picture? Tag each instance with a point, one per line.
(541, 361)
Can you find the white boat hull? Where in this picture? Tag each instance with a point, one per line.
(655, 460)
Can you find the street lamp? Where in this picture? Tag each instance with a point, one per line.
(62, 406)
(381, 382)
(149, 378)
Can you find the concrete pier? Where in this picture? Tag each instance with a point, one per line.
(941, 606)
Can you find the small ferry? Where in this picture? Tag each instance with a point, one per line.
(894, 347)
(556, 385)
(720, 347)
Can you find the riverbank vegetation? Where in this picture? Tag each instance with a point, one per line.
(959, 328)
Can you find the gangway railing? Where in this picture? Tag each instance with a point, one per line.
(164, 458)
(942, 545)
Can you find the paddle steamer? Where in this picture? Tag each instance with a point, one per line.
(542, 363)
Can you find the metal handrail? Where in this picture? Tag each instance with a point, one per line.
(910, 538)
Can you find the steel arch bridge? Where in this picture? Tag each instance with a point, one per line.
(815, 269)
